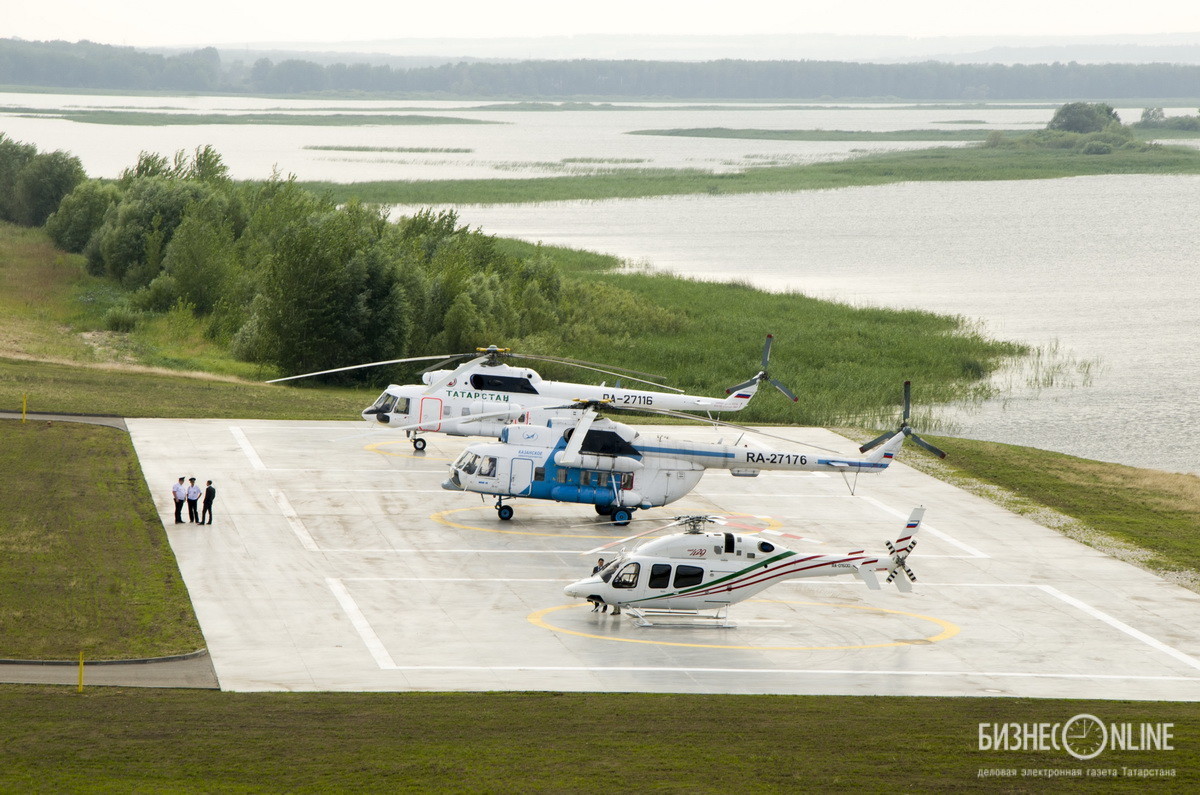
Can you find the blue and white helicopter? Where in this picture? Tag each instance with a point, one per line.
(486, 394)
(593, 460)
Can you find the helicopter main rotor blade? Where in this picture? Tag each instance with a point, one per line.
(357, 367)
(444, 362)
(632, 537)
(613, 373)
(575, 444)
(441, 382)
(766, 358)
(582, 363)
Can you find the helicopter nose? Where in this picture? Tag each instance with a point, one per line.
(581, 589)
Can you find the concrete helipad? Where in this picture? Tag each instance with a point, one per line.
(337, 562)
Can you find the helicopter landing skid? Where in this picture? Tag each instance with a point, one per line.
(652, 617)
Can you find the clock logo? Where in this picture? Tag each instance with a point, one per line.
(1084, 736)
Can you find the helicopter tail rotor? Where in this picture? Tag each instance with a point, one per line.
(764, 375)
(904, 428)
(901, 548)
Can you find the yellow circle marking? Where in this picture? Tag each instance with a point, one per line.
(440, 518)
(948, 630)
(374, 448)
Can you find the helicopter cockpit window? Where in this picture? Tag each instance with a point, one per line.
(386, 404)
(487, 469)
(466, 462)
(628, 577)
(660, 575)
(607, 572)
(686, 576)
(401, 406)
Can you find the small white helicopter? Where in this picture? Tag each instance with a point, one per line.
(482, 396)
(695, 571)
(596, 461)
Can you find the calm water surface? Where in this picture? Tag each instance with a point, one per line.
(1107, 267)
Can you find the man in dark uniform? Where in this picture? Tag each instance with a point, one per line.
(210, 494)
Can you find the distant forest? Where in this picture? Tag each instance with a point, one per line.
(86, 65)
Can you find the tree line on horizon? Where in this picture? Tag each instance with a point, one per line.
(89, 65)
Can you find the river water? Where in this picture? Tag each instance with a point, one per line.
(1104, 267)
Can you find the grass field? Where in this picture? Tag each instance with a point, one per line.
(112, 739)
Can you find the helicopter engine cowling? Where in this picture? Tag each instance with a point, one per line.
(604, 463)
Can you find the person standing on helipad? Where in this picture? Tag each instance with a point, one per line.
(179, 493)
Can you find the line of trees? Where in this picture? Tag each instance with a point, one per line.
(286, 278)
(32, 183)
(90, 65)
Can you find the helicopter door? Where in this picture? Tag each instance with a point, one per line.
(521, 477)
(431, 414)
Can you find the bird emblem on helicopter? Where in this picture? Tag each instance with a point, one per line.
(694, 571)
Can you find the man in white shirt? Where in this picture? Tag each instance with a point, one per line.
(193, 494)
(179, 493)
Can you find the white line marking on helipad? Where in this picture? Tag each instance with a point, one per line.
(294, 521)
(1122, 626)
(361, 625)
(970, 550)
(247, 448)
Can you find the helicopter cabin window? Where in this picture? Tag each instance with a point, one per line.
(487, 469)
(660, 575)
(539, 474)
(502, 383)
(589, 478)
(628, 577)
(561, 475)
(686, 576)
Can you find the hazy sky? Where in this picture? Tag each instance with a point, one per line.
(158, 23)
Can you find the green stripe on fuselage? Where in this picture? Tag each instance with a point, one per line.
(719, 580)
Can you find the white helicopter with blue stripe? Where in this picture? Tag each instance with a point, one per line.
(595, 461)
(694, 571)
(483, 395)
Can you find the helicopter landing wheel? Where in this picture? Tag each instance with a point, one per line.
(505, 512)
(604, 510)
(621, 516)
(418, 444)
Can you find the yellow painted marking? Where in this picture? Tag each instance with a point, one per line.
(374, 448)
(948, 630)
(440, 518)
